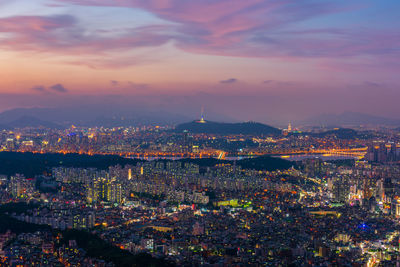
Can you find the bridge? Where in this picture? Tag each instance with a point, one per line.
(351, 152)
(208, 153)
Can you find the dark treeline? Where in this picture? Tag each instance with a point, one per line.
(32, 164)
(18, 227)
(98, 248)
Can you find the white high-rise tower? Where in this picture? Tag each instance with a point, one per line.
(289, 128)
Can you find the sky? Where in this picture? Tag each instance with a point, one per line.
(264, 60)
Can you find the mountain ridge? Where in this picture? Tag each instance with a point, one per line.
(350, 118)
(29, 121)
(89, 116)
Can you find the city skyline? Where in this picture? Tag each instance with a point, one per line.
(199, 133)
(276, 61)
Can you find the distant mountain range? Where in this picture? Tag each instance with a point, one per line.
(84, 116)
(28, 121)
(211, 127)
(115, 116)
(350, 118)
(342, 133)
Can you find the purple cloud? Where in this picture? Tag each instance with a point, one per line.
(39, 88)
(229, 81)
(268, 81)
(58, 88)
(138, 86)
(129, 85)
(372, 84)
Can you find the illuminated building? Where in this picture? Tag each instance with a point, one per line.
(83, 221)
(20, 187)
(129, 174)
(103, 189)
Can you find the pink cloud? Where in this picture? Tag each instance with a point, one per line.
(251, 28)
(62, 34)
(256, 28)
(28, 31)
(24, 24)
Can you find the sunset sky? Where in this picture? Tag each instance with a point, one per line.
(245, 59)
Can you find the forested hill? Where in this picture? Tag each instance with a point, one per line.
(245, 128)
(32, 164)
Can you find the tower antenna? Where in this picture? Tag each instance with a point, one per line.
(202, 115)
